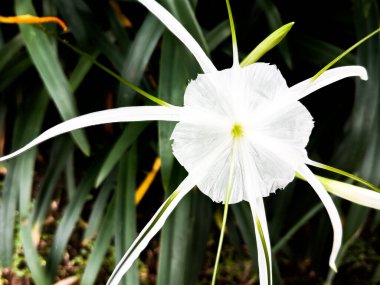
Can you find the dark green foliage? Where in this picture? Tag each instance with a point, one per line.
(44, 82)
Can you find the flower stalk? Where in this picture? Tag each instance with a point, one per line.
(225, 211)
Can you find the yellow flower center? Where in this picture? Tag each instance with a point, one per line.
(237, 131)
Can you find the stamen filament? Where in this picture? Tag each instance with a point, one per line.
(115, 75)
(225, 212)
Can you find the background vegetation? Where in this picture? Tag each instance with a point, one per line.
(67, 209)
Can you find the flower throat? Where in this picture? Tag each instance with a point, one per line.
(237, 131)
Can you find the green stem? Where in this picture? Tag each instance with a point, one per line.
(225, 212)
(113, 74)
(107, 70)
(305, 218)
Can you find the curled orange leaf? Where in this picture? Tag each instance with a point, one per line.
(30, 19)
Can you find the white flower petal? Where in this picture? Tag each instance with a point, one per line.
(181, 33)
(355, 194)
(125, 114)
(149, 231)
(262, 241)
(214, 103)
(291, 125)
(194, 146)
(308, 86)
(331, 210)
(236, 93)
(269, 169)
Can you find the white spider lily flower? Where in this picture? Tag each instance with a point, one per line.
(250, 110)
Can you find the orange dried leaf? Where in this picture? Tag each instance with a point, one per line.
(30, 19)
(144, 186)
(119, 14)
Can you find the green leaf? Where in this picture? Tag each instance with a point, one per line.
(177, 66)
(81, 70)
(15, 71)
(301, 222)
(317, 51)
(69, 219)
(150, 229)
(70, 176)
(60, 151)
(31, 255)
(138, 57)
(217, 35)
(184, 12)
(125, 212)
(99, 207)
(9, 50)
(171, 270)
(172, 82)
(61, 154)
(126, 139)
(359, 151)
(33, 110)
(100, 246)
(46, 61)
(181, 235)
(199, 225)
(171, 249)
(243, 216)
(85, 25)
(184, 237)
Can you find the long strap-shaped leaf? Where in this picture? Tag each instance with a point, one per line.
(154, 225)
(45, 60)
